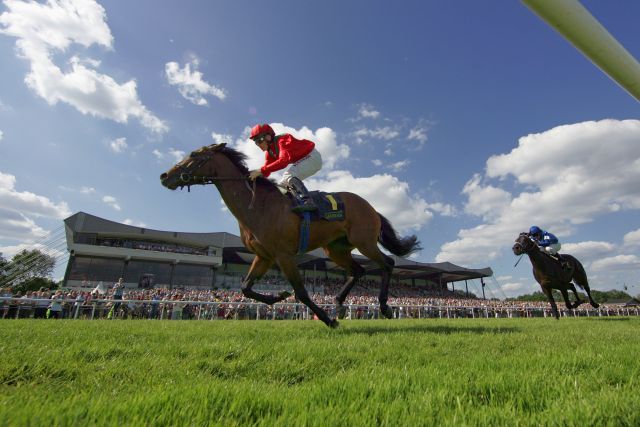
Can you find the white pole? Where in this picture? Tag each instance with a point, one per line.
(579, 27)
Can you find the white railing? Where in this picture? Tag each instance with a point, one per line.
(18, 308)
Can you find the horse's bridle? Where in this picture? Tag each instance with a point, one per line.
(187, 178)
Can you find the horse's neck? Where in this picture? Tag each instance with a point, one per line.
(238, 196)
(536, 257)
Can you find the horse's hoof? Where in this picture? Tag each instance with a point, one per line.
(333, 323)
(387, 312)
(595, 305)
(341, 310)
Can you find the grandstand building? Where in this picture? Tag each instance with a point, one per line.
(101, 251)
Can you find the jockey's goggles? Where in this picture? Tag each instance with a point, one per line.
(259, 139)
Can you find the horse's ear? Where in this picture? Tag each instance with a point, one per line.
(216, 147)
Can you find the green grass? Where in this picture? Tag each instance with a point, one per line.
(576, 371)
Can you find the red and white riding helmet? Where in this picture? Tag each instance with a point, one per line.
(261, 129)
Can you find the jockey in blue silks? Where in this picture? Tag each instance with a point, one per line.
(546, 241)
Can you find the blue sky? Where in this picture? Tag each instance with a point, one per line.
(463, 122)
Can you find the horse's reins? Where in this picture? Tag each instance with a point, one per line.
(187, 179)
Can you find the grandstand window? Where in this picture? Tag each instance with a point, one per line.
(95, 269)
(137, 269)
(192, 275)
(86, 238)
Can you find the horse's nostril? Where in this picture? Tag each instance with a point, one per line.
(163, 176)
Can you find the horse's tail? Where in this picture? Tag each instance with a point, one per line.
(399, 246)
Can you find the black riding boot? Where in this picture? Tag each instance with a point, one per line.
(301, 193)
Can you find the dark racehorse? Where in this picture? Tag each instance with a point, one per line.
(270, 230)
(550, 275)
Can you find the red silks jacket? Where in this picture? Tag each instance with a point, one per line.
(285, 149)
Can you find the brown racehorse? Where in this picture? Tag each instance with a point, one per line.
(550, 275)
(270, 230)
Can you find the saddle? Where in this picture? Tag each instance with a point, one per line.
(330, 206)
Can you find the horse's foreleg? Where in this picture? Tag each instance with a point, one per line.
(554, 307)
(565, 296)
(258, 268)
(290, 270)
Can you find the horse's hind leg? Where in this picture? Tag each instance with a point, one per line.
(372, 252)
(578, 300)
(258, 268)
(565, 296)
(580, 278)
(340, 253)
(290, 270)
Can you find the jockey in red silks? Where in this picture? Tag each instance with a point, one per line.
(300, 155)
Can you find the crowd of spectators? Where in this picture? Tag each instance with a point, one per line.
(151, 246)
(183, 303)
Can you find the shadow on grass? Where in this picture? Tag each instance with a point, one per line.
(431, 329)
(608, 319)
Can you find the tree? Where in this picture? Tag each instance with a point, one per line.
(3, 267)
(27, 265)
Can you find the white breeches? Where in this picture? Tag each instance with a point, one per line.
(303, 168)
(552, 248)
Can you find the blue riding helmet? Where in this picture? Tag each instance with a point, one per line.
(534, 230)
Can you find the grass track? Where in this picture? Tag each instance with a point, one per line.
(582, 371)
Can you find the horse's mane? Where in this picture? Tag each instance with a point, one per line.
(240, 161)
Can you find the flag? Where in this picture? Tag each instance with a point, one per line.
(100, 289)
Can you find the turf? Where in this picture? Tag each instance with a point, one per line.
(576, 371)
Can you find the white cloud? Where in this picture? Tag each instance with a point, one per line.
(376, 162)
(568, 177)
(443, 209)
(1, 135)
(173, 153)
(616, 263)
(220, 138)
(632, 238)
(111, 201)
(399, 165)
(368, 111)
(190, 83)
(158, 154)
(46, 30)
(118, 145)
(587, 251)
(418, 133)
(87, 190)
(17, 226)
(134, 223)
(384, 133)
(177, 155)
(28, 203)
(485, 201)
